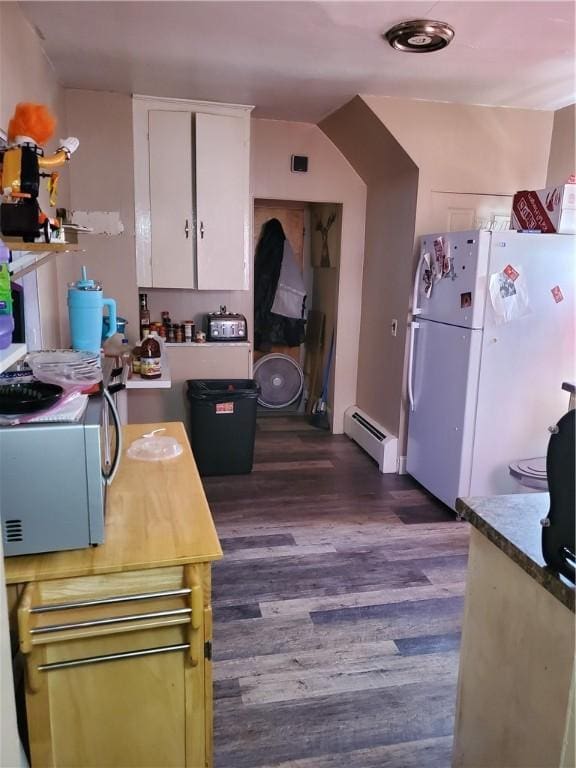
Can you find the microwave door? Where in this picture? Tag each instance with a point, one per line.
(112, 438)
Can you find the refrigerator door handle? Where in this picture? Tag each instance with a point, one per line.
(416, 310)
(413, 328)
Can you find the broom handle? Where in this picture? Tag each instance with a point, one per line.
(324, 393)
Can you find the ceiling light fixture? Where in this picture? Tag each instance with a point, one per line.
(419, 36)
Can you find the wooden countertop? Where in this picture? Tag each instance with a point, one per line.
(156, 515)
(512, 523)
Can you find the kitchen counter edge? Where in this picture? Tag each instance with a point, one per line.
(512, 523)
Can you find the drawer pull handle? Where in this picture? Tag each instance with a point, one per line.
(110, 600)
(110, 620)
(112, 657)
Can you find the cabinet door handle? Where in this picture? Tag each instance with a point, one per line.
(111, 620)
(201, 230)
(187, 229)
(112, 657)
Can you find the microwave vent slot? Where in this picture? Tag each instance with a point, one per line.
(13, 531)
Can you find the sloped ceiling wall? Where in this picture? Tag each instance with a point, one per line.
(392, 183)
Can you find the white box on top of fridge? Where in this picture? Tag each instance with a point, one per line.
(485, 375)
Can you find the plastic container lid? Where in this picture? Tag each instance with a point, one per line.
(154, 448)
(66, 366)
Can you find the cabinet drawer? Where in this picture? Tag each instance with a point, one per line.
(52, 612)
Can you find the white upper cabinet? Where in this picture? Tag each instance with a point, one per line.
(171, 201)
(192, 199)
(221, 209)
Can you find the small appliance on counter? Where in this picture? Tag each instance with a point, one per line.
(63, 508)
(54, 474)
(86, 304)
(226, 326)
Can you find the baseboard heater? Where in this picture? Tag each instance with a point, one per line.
(372, 438)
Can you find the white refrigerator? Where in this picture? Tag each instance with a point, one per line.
(491, 342)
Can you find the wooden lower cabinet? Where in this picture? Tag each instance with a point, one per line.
(118, 670)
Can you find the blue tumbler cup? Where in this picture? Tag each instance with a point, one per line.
(85, 309)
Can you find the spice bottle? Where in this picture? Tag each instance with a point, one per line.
(188, 331)
(150, 358)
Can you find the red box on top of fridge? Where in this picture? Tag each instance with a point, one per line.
(546, 210)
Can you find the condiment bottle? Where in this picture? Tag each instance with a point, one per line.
(144, 312)
(126, 358)
(178, 336)
(150, 358)
(136, 352)
(188, 331)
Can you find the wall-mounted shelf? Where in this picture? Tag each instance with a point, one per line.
(34, 255)
(11, 355)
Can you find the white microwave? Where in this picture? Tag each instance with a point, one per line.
(53, 480)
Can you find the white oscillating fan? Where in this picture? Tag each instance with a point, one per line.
(280, 378)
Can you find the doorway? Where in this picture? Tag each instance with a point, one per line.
(314, 233)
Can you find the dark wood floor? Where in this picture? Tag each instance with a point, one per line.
(337, 610)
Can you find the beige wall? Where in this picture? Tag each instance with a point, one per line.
(562, 161)
(27, 75)
(460, 149)
(392, 181)
(330, 179)
(102, 179)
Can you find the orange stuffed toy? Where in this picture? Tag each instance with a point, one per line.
(23, 164)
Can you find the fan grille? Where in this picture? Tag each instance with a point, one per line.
(281, 380)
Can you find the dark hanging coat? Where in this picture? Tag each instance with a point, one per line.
(270, 328)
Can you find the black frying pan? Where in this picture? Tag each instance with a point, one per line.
(27, 398)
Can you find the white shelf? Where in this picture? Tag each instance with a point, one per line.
(11, 355)
(34, 255)
(164, 382)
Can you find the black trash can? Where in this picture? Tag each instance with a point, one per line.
(223, 424)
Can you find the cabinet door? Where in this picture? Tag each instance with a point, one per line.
(222, 189)
(171, 199)
(115, 674)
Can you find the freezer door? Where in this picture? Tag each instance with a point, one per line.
(441, 426)
(459, 297)
(525, 360)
